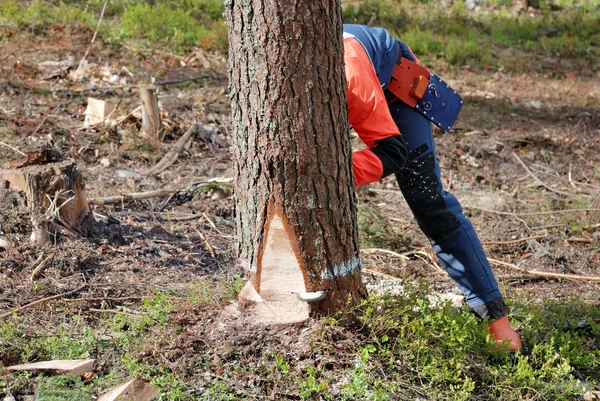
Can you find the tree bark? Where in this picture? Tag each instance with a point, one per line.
(291, 149)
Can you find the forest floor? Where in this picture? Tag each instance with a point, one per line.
(523, 159)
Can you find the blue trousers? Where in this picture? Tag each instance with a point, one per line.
(440, 216)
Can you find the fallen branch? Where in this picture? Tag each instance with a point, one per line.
(375, 250)
(13, 148)
(41, 301)
(380, 274)
(87, 51)
(542, 183)
(36, 271)
(10, 53)
(556, 276)
(121, 299)
(173, 154)
(118, 312)
(113, 200)
(168, 217)
(161, 193)
(515, 241)
(182, 80)
(431, 261)
(531, 213)
(206, 243)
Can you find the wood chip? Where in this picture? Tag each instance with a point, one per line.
(57, 366)
(134, 390)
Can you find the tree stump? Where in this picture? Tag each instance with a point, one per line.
(150, 112)
(55, 195)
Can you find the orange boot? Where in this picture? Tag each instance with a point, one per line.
(501, 331)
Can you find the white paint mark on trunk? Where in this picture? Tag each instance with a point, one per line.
(342, 269)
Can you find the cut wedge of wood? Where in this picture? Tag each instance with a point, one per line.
(74, 367)
(134, 390)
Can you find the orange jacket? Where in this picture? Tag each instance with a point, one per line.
(368, 112)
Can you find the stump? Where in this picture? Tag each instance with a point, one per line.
(150, 112)
(55, 196)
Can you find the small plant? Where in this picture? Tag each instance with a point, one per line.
(375, 231)
(63, 388)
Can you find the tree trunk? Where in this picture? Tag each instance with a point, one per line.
(295, 200)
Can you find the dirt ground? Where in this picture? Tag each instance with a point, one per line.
(523, 155)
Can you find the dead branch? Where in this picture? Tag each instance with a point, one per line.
(184, 218)
(380, 274)
(7, 56)
(119, 299)
(87, 51)
(418, 253)
(41, 301)
(114, 200)
(374, 250)
(515, 241)
(13, 148)
(556, 276)
(182, 80)
(40, 267)
(116, 311)
(531, 213)
(542, 183)
(206, 243)
(173, 154)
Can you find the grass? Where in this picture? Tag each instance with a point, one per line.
(401, 347)
(562, 29)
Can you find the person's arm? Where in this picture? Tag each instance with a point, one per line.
(370, 117)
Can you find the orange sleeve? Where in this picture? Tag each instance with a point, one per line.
(368, 112)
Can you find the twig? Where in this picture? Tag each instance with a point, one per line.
(9, 54)
(515, 241)
(121, 299)
(545, 274)
(173, 153)
(376, 273)
(185, 218)
(87, 51)
(542, 183)
(13, 148)
(40, 267)
(41, 301)
(181, 80)
(113, 200)
(374, 250)
(208, 245)
(404, 256)
(431, 262)
(119, 312)
(125, 117)
(211, 222)
(39, 126)
(531, 213)
(519, 277)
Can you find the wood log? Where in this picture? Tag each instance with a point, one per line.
(55, 194)
(150, 112)
(134, 390)
(73, 367)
